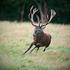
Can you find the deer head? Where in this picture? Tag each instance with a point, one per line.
(40, 25)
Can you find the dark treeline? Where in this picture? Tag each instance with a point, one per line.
(19, 9)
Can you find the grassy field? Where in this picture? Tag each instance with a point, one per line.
(16, 38)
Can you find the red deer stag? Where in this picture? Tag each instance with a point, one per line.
(40, 39)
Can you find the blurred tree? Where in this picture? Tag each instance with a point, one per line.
(43, 8)
(21, 9)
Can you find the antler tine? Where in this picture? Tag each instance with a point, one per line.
(35, 10)
(31, 9)
(38, 19)
(53, 13)
(31, 14)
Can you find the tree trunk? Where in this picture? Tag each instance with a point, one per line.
(21, 11)
(42, 6)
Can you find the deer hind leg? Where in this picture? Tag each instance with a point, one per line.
(44, 49)
(29, 48)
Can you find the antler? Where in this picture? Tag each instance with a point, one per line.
(31, 15)
(53, 13)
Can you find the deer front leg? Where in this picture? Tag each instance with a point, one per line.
(29, 48)
(32, 49)
(36, 46)
(37, 49)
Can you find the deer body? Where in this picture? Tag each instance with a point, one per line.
(42, 41)
(40, 38)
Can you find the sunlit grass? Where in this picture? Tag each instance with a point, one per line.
(16, 37)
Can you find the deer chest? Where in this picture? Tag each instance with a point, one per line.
(42, 40)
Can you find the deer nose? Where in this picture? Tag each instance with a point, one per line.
(36, 34)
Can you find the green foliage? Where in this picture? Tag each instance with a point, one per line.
(9, 9)
(62, 8)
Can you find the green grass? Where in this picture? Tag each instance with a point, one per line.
(16, 38)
